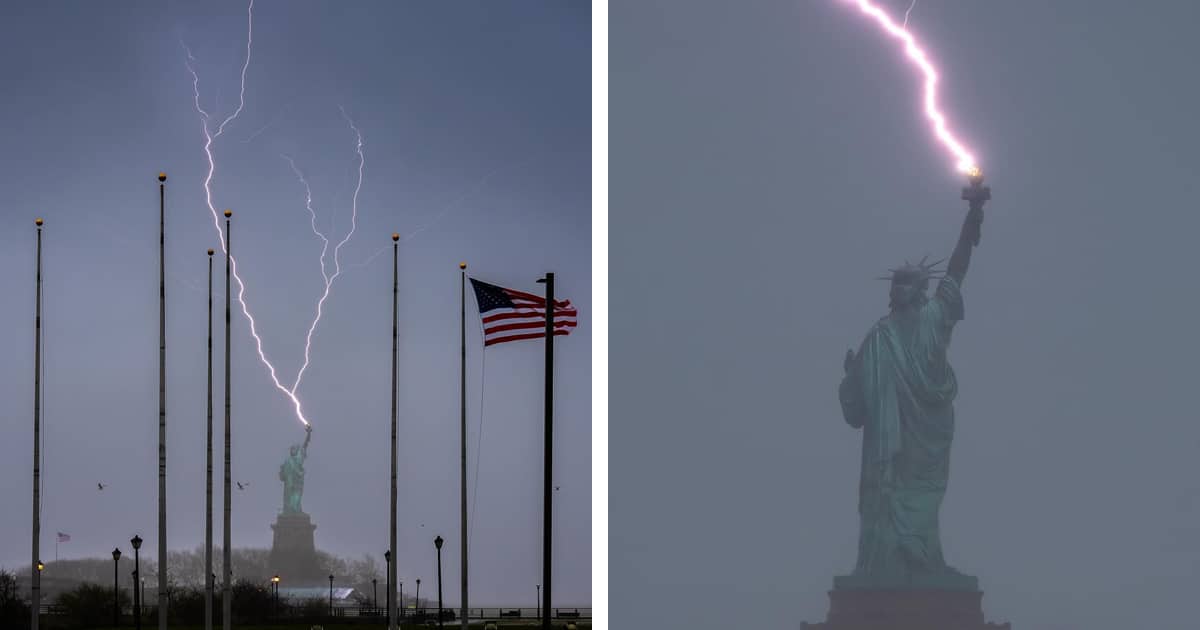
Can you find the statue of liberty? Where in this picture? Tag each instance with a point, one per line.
(899, 389)
(291, 473)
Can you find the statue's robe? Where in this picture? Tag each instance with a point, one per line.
(292, 475)
(899, 389)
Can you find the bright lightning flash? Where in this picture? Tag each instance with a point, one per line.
(337, 265)
(965, 161)
(209, 137)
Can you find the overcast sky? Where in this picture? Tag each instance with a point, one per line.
(475, 120)
(768, 161)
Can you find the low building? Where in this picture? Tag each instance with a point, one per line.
(343, 597)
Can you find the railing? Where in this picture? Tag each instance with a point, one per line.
(416, 614)
(482, 614)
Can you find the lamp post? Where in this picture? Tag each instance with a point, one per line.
(418, 596)
(374, 593)
(539, 596)
(136, 541)
(275, 593)
(387, 555)
(40, 567)
(437, 542)
(330, 594)
(401, 585)
(116, 589)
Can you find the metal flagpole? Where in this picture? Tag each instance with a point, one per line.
(35, 574)
(162, 404)
(392, 621)
(463, 406)
(226, 569)
(548, 474)
(208, 574)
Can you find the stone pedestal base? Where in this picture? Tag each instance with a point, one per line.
(910, 609)
(293, 553)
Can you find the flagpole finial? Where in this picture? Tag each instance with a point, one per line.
(210, 252)
(162, 177)
(38, 221)
(395, 236)
(228, 213)
(462, 265)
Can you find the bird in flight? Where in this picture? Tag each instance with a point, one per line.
(243, 486)
(99, 486)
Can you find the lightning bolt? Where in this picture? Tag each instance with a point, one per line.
(337, 265)
(906, 13)
(209, 137)
(965, 161)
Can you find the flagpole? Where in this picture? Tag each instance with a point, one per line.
(35, 575)
(548, 474)
(208, 575)
(162, 404)
(392, 625)
(462, 393)
(226, 569)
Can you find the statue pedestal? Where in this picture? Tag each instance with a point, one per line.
(293, 553)
(905, 609)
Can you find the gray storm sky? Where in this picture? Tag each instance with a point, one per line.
(768, 161)
(475, 119)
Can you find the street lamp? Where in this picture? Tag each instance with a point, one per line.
(40, 567)
(387, 555)
(539, 597)
(330, 594)
(275, 589)
(375, 594)
(418, 597)
(437, 542)
(116, 589)
(136, 541)
(400, 583)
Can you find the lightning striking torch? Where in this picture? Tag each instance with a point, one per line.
(976, 193)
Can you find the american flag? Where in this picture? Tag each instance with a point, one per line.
(63, 537)
(511, 315)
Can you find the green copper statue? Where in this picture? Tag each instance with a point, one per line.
(899, 389)
(291, 473)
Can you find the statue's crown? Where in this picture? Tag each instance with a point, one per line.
(918, 274)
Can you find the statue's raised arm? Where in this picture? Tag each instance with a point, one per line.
(975, 195)
(307, 438)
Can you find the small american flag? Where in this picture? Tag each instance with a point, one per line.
(511, 315)
(63, 537)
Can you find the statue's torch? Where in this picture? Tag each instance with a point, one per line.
(976, 194)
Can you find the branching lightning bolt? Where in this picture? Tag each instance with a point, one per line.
(965, 161)
(337, 265)
(909, 11)
(209, 138)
